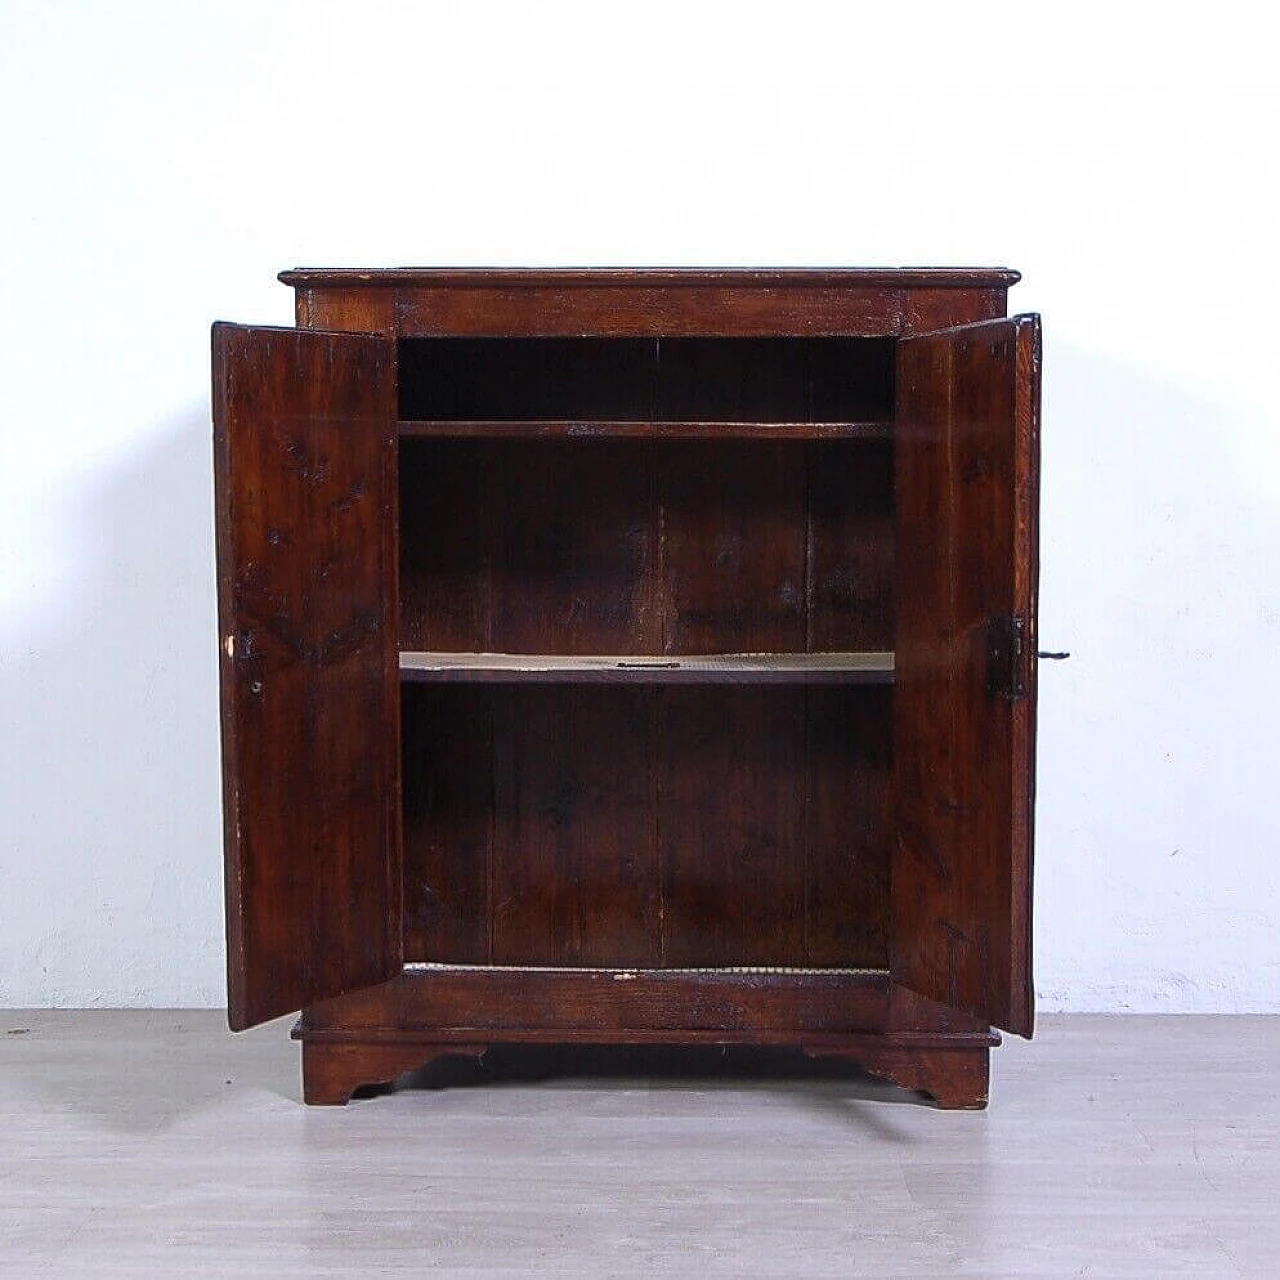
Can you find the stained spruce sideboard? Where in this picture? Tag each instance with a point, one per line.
(631, 657)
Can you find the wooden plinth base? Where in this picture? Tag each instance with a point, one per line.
(954, 1074)
(956, 1078)
(333, 1071)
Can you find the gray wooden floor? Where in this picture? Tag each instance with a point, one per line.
(158, 1144)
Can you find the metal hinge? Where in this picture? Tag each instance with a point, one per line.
(1007, 656)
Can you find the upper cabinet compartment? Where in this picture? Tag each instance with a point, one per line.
(647, 380)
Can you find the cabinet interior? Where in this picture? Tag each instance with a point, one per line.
(671, 379)
(595, 814)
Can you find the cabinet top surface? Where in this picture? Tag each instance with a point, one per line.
(644, 277)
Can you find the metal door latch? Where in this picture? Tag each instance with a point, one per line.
(1007, 656)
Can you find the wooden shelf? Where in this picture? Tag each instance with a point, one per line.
(721, 668)
(438, 429)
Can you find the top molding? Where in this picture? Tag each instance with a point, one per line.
(647, 277)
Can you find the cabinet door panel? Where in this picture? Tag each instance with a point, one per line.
(304, 443)
(964, 720)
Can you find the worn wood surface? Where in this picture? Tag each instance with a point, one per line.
(665, 669)
(429, 1011)
(351, 310)
(621, 311)
(624, 1005)
(968, 455)
(304, 458)
(637, 303)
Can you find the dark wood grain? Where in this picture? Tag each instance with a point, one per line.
(732, 826)
(928, 309)
(626, 302)
(575, 548)
(427, 1013)
(848, 833)
(448, 543)
(967, 482)
(354, 310)
(528, 547)
(448, 821)
(574, 875)
(620, 1005)
(632, 547)
(849, 583)
(733, 548)
(304, 451)
(637, 310)
(332, 1072)
(956, 1076)
(596, 825)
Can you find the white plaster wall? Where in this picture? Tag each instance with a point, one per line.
(160, 162)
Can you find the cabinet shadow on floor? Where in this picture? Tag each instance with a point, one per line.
(827, 1084)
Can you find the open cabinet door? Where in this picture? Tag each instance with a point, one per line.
(305, 486)
(965, 688)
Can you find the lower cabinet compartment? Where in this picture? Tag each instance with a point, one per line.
(646, 827)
